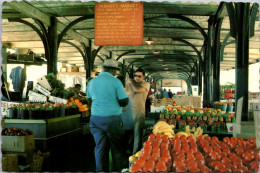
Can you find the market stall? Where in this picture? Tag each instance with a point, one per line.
(187, 151)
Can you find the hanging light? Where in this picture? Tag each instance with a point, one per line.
(156, 52)
(149, 41)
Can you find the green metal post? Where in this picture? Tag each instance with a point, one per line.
(53, 43)
(216, 61)
(242, 57)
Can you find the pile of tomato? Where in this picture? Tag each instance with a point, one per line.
(230, 155)
(207, 154)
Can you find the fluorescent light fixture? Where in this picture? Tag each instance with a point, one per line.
(156, 52)
(149, 41)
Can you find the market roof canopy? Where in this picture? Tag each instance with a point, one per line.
(170, 34)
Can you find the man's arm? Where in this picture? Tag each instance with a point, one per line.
(123, 102)
(136, 87)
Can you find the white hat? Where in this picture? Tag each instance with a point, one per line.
(111, 63)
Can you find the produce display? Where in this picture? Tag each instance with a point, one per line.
(14, 131)
(206, 118)
(46, 110)
(164, 128)
(183, 153)
(77, 103)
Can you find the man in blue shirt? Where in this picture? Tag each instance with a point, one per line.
(106, 96)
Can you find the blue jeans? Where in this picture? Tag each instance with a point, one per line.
(108, 133)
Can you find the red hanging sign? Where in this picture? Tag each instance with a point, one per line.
(119, 24)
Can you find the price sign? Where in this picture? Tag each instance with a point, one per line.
(5, 107)
(42, 90)
(57, 100)
(35, 97)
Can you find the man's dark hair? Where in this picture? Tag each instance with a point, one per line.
(122, 79)
(77, 86)
(140, 70)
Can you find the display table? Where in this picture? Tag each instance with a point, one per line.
(45, 129)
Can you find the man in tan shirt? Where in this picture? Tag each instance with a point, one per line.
(138, 89)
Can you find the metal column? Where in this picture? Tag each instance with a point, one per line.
(53, 42)
(216, 61)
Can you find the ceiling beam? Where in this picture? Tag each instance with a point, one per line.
(29, 10)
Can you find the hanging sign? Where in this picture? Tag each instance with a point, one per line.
(119, 24)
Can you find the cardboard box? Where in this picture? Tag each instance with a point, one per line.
(10, 162)
(68, 68)
(18, 143)
(75, 69)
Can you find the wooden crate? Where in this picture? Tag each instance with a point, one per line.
(18, 143)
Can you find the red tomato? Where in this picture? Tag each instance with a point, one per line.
(200, 162)
(234, 139)
(194, 169)
(237, 164)
(225, 170)
(214, 138)
(254, 166)
(151, 137)
(207, 138)
(135, 168)
(183, 137)
(249, 157)
(239, 151)
(223, 154)
(214, 163)
(207, 150)
(148, 168)
(158, 136)
(181, 169)
(165, 137)
(199, 157)
(204, 169)
(140, 162)
(191, 158)
(160, 167)
(200, 137)
(237, 170)
(219, 167)
(252, 140)
(243, 168)
(190, 164)
(225, 160)
(233, 144)
(155, 144)
(226, 139)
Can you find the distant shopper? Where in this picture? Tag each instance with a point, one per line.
(77, 89)
(165, 93)
(138, 89)
(170, 93)
(106, 96)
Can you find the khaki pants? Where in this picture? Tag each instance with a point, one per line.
(138, 132)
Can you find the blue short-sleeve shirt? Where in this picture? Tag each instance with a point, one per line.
(105, 90)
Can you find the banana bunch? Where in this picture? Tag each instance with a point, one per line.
(188, 132)
(163, 128)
